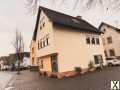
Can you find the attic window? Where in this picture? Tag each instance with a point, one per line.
(104, 30)
(42, 23)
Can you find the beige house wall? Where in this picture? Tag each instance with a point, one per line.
(47, 29)
(46, 63)
(32, 53)
(73, 50)
(115, 40)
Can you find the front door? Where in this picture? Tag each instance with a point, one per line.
(54, 63)
(98, 59)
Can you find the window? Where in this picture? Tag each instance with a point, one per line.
(44, 41)
(42, 64)
(97, 41)
(93, 40)
(104, 30)
(88, 40)
(47, 39)
(42, 22)
(98, 59)
(105, 53)
(109, 39)
(40, 27)
(38, 45)
(112, 52)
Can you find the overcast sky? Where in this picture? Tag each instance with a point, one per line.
(13, 15)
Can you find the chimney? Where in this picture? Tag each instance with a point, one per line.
(78, 17)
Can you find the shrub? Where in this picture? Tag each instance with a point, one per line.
(78, 69)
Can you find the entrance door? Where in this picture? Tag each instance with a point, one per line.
(54, 63)
(98, 59)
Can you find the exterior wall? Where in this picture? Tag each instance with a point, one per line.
(47, 29)
(45, 52)
(115, 40)
(33, 53)
(73, 50)
(69, 44)
(46, 64)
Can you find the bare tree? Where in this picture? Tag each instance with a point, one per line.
(113, 5)
(18, 45)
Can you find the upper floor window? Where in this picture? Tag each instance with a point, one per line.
(43, 41)
(105, 53)
(92, 40)
(88, 40)
(47, 39)
(112, 52)
(109, 40)
(97, 41)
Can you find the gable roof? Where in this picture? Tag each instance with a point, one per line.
(66, 20)
(115, 28)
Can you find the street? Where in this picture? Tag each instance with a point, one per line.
(4, 79)
(92, 81)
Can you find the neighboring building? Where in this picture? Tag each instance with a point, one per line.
(12, 58)
(61, 42)
(111, 40)
(26, 59)
(1, 64)
(33, 60)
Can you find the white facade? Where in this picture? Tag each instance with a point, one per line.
(111, 40)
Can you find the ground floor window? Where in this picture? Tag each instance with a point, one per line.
(98, 59)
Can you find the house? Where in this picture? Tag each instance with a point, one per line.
(4, 62)
(1, 64)
(13, 58)
(33, 60)
(111, 40)
(61, 42)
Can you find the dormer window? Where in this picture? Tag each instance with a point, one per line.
(104, 30)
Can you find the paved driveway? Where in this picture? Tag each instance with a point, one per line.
(92, 81)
